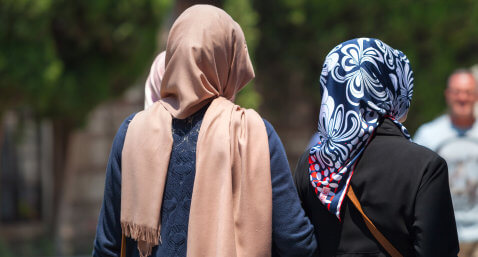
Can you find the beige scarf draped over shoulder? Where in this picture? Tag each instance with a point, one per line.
(231, 207)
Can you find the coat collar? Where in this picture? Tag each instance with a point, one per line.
(388, 128)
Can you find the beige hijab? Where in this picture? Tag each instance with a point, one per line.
(231, 206)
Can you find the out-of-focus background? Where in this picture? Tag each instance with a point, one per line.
(72, 70)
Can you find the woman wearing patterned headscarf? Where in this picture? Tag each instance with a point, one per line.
(363, 148)
(194, 174)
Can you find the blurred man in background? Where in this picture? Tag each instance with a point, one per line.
(454, 136)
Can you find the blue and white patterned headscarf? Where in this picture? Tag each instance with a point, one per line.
(363, 81)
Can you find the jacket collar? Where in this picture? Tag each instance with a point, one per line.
(388, 128)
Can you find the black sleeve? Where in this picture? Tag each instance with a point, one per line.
(301, 176)
(434, 225)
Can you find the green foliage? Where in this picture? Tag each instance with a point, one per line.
(36, 246)
(62, 58)
(247, 17)
(437, 36)
(4, 250)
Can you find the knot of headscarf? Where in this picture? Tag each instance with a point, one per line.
(363, 81)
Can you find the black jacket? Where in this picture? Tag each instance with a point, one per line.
(402, 187)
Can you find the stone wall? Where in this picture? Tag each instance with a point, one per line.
(85, 173)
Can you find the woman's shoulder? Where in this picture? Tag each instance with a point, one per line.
(401, 156)
(401, 148)
(123, 128)
(269, 128)
(275, 142)
(118, 140)
(426, 156)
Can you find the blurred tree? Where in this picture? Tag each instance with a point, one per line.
(295, 36)
(243, 12)
(61, 58)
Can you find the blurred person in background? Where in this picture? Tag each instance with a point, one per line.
(454, 136)
(194, 174)
(474, 71)
(368, 190)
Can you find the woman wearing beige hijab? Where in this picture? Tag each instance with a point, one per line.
(194, 174)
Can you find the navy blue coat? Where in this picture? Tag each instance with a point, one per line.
(292, 232)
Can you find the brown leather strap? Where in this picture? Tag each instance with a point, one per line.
(123, 245)
(375, 232)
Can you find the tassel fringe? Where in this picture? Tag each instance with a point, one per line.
(141, 233)
(146, 237)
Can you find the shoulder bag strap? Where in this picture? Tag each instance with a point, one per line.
(375, 232)
(123, 245)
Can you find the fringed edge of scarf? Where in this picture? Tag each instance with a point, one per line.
(146, 237)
